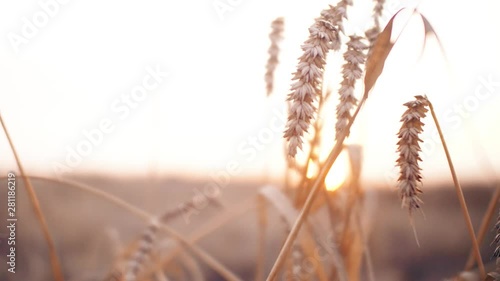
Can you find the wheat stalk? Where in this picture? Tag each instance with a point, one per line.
(200, 253)
(261, 250)
(374, 66)
(204, 230)
(340, 268)
(484, 226)
(460, 196)
(54, 259)
(410, 177)
(313, 158)
(317, 184)
(142, 254)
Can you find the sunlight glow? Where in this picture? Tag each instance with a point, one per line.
(338, 173)
(312, 169)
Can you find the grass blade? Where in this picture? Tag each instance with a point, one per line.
(54, 259)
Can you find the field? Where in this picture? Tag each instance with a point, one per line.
(87, 230)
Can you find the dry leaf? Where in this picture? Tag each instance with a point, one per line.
(376, 60)
(429, 30)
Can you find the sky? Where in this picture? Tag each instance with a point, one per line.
(168, 88)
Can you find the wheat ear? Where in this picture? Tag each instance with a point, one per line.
(377, 12)
(375, 64)
(316, 185)
(372, 33)
(275, 36)
(351, 71)
(143, 252)
(323, 36)
(410, 179)
(138, 212)
(204, 230)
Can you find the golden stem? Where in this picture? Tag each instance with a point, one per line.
(461, 198)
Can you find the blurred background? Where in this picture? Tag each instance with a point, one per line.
(174, 92)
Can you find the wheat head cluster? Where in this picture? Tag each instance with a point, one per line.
(311, 215)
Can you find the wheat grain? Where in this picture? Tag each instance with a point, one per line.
(351, 70)
(372, 33)
(323, 36)
(409, 149)
(377, 13)
(276, 36)
(497, 238)
(143, 251)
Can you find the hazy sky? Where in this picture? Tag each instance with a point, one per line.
(172, 87)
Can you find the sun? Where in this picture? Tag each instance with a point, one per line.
(312, 169)
(338, 173)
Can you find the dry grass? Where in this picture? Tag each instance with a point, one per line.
(54, 259)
